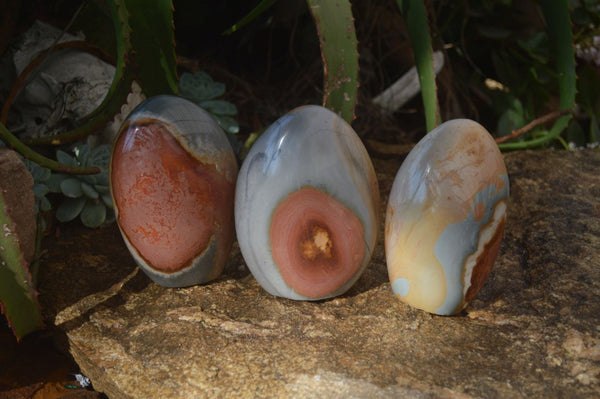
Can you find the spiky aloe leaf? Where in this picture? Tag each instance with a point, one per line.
(415, 15)
(18, 298)
(153, 39)
(335, 26)
(560, 34)
(263, 6)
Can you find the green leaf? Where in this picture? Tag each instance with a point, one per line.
(82, 153)
(510, 120)
(45, 204)
(54, 181)
(415, 15)
(153, 41)
(263, 6)
(107, 199)
(18, 298)
(227, 123)
(93, 214)
(536, 46)
(71, 187)
(337, 36)
(70, 208)
(560, 34)
(90, 179)
(559, 125)
(102, 189)
(64, 158)
(38, 173)
(100, 157)
(89, 191)
(219, 107)
(40, 190)
(200, 87)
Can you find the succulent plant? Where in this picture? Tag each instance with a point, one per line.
(203, 90)
(88, 196)
(41, 177)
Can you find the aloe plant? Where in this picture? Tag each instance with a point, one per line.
(18, 297)
(415, 15)
(337, 36)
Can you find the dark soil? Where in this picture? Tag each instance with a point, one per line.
(35, 368)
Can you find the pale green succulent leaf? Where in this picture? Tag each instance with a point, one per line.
(70, 208)
(71, 187)
(53, 182)
(45, 204)
(65, 158)
(199, 87)
(102, 189)
(219, 107)
(93, 214)
(40, 190)
(89, 191)
(227, 123)
(107, 199)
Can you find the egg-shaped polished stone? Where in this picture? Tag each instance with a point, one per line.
(306, 207)
(445, 217)
(172, 180)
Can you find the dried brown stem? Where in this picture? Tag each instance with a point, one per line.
(536, 122)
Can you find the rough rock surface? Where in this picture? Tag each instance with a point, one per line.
(16, 183)
(533, 330)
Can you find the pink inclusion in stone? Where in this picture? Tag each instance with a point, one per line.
(317, 243)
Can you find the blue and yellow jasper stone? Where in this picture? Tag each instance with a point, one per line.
(445, 217)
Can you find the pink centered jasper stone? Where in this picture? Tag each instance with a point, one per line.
(317, 242)
(306, 207)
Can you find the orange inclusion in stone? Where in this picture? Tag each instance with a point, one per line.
(484, 263)
(169, 203)
(317, 243)
(479, 211)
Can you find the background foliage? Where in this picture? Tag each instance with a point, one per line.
(512, 65)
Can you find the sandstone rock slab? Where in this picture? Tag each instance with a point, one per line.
(533, 330)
